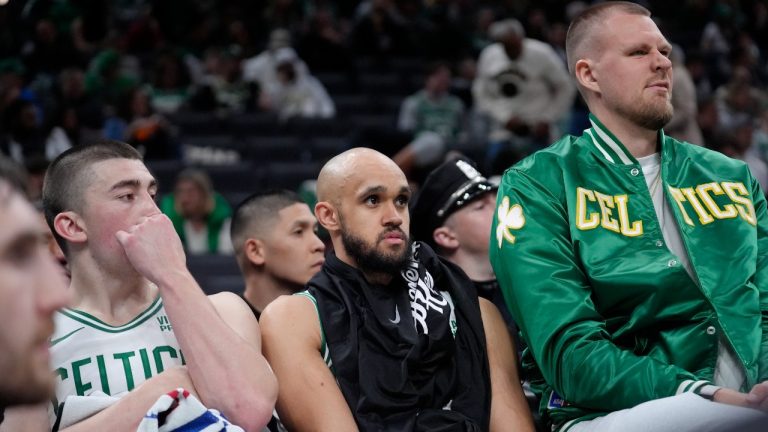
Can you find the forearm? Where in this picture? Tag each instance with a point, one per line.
(509, 409)
(213, 350)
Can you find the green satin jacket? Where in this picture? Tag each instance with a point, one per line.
(610, 316)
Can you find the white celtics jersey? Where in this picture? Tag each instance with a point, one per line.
(90, 356)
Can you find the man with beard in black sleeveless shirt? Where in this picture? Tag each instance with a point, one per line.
(387, 336)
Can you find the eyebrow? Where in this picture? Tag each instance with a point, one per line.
(382, 189)
(132, 183)
(21, 239)
(372, 190)
(303, 223)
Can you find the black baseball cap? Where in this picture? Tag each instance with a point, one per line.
(446, 189)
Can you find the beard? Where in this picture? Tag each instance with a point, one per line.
(648, 114)
(371, 260)
(27, 380)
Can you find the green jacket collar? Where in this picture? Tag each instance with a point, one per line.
(611, 149)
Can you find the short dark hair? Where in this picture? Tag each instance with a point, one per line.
(256, 211)
(590, 18)
(67, 175)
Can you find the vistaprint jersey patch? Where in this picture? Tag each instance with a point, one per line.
(556, 401)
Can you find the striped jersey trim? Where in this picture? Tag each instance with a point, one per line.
(599, 147)
(610, 146)
(691, 386)
(323, 345)
(92, 321)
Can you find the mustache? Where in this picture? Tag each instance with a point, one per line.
(386, 232)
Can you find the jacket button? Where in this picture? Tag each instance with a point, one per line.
(634, 172)
(711, 330)
(659, 243)
(671, 263)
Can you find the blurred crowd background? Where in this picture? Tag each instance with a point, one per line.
(261, 93)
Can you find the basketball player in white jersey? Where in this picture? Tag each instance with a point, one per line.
(140, 325)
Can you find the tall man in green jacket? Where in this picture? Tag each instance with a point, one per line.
(636, 265)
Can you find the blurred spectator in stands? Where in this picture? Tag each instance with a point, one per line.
(24, 136)
(697, 68)
(555, 36)
(262, 68)
(200, 215)
(758, 25)
(170, 83)
(138, 125)
(736, 142)
(523, 86)
(380, 32)
(143, 35)
(461, 84)
(295, 94)
(746, 54)
(684, 125)
(70, 94)
(65, 132)
(716, 41)
(239, 35)
(483, 20)
(441, 33)
(92, 28)
(274, 235)
(106, 80)
(537, 24)
(760, 135)
(708, 120)
(739, 100)
(323, 46)
(434, 117)
(12, 87)
(47, 51)
(284, 13)
(222, 86)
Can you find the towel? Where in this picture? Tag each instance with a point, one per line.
(179, 411)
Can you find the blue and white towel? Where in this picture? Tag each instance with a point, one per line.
(183, 412)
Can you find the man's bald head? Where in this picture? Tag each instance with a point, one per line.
(343, 169)
(583, 38)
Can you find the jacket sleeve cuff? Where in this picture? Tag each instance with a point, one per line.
(704, 389)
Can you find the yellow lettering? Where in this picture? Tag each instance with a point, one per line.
(637, 226)
(582, 221)
(743, 203)
(679, 198)
(727, 212)
(704, 217)
(606, 204)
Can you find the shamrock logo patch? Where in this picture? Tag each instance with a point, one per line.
(509, 218)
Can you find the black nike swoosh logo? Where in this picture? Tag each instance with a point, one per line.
(55, 341)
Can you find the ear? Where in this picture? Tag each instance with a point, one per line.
(327, 216)
(586, 75)
(445, 238)
(70, 226)
(254, 251)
